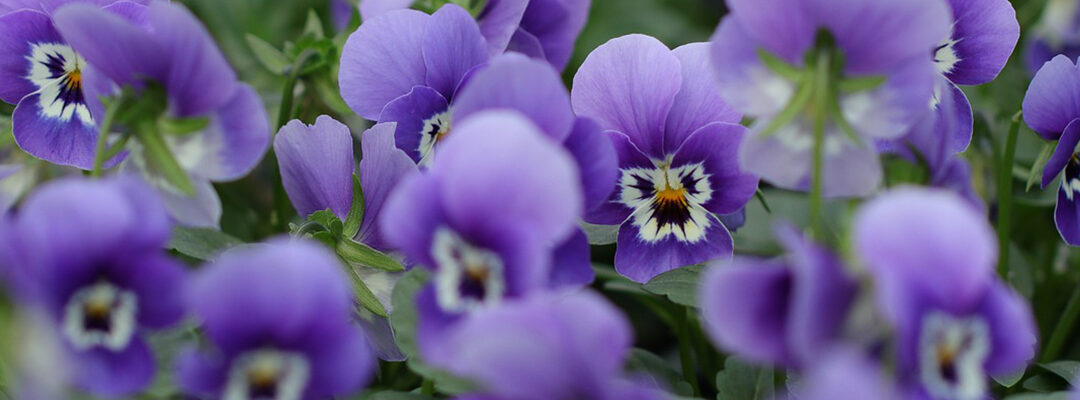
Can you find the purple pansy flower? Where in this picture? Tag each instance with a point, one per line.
(278, 318)
(406, 67)
(872, 61)
(169, 46)
(676, 142)
(1052, 109)
(932, 258)
(786, 311)
(845, 374)
(97, 268)
(547, 347)
(485, 219)
(1058, 32)
(43, 75)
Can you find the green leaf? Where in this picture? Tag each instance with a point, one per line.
(1035, 174)
(201, 243)
(314, 25)
(365, 296)
(779, 66)
(1065, 369)
(360, 254)
(642, 361)
(329, 220)
(600, 235)
(1010, 380)
(678, 285)
(182, 126)
(860, 84)
(1040, 396)
(161, 159)
(270, 57)
(356, 210)
(741, 381)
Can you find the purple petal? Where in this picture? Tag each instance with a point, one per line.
(525, 43)
(381, 338)
(641, 260)
(201, 210)
(986, 32)
(19, 32)
(372, 8)
(341, 368)
(200, 373)
(158, 283)
(784, 159)
(629, 84)
(382, 167)
(382, 61)
(892, 109)
(452, 45)
(1053, 99)
(742, 79)
(571, 265)
(956, 176)
(597, 161)
(744, 307)
(717, 147)
(847, 374)
(115, 374)
(119, 49)
(52, 139)
(518, 83)
(1067, 218)
(1066, 148)
(698, 102)
(782, 27)
(498, 22)
(233, 143)
(409, 112)
(412, 213)
(557, 24)
(199, 79)
(316, 163)
(490, 177)
(613, 211)
(939, 134)
(875, 36)
(1013, 333)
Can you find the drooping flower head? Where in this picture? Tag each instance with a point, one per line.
(932, 259)
(860, 70)
(97, 268)
(787, 311)
(169, 48)
(1052, 109)
(43, 75)
(548, 347)
(485, 217)
(406, 67)
(278, 319)
(676, 142)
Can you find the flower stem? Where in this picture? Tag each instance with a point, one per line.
(160, 157)
(686, 354)
(1063, 329)
(1005, 193)
(821, 108)
(103, 137)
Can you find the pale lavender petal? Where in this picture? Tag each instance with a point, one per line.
(412, 213)
(744, 307)
(783, 27)
(742, 79)
(382, 61)
(698, 102)
(571, 265)
(518, 83)
(875, 36)
(525, 43)
(892, 109)
(382, 167)
(498, 22)
(1013, 333)
(598, 163)
(201, 210)
(234, 142)
(557, 24)
(316, 164)
(121, 50)
(199, 79)
(452, 45)
(372, 8)
(1053, 99)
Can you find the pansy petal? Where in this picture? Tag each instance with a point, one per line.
(51, 138)
(986, 32)
(890, 110)
(199, 79)
(120, 49)
(612, 211)
(597, 161)
(698, 102)
(233, 143)
(410, 114)
(641, 260)
(525, 43)
(742, 79)
(490, 175)
(875, 35)
(20, 32)
(372, 8)
(629, 84)
(452, 45)
(381, 338)
(716, 146)
(1066, 148)
(201, 210)
(1067, 218)
(744, 305)
(342, 368)
(1053, 99)
(571, 265)
(382, 167)
(316, 165)
(115, 374)
(158, 283)
(201, 373)
(382, 61)
(783, 159)
(782, 27)
(498, 22)
(1013, 333)
(557, 24)
(412, 213)
(518, 83)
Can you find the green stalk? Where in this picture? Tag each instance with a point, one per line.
(427, 387)
(817, 197)
(686, 355)
(1063, 329)
(158, 153)
(1005, 193)
(103, 137)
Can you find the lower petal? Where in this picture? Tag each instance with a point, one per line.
(1067, 218)
(641, 260)
(57, 140)
(1012, 330)
(200, 373)
(572, 267)
(115, 374)
(744, 306)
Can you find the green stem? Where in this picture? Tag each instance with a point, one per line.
(686, 355)
(427, 387)
(817, 197)
(103, 137)
(158, 154)
(1005, 193)
(285, 111)
(1063, 329)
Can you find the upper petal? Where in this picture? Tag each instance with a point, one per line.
(986, 32)
(199, 78)
(1066, 148)
(20, 31)
(234, 142)
(382, 167)
(515, 82)
(119, 48)
(382, 61)
(783, 27)
(498, 22)
(597, 161)
(698, 102)
(372, 8)
(877, 35)
(717, 147)
(316, 165)
(452, 45)
(1053, 98)
(744, 305)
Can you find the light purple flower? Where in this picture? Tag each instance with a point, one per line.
(169, 46)
(548, 347)
(97, 268)
(787, 311)
(485, 217)
(1052, 109)
(278, 319)
(932, 258)
(845, 374)
(888, 43)
(676, 142)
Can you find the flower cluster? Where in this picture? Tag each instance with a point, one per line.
(464, 200)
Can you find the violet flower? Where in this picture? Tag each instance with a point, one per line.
(787, 311)
(845, 374)
(406, 67)
(484, 218)
(43, 75)
(933, 258)
(170, 47)
(676, 142)
(858, 70)
(548, 347)
(1052, 109)
(278, 319)
(96, 267)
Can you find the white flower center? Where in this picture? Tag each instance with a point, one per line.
(951, 356)
(268, 374)
(668, 201)
(945, 57)
(56, 69)
(435, 130)
(1070, 180)
(467, 277)
(100, 315)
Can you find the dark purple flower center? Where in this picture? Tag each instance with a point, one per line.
(668, 201)
(101, 315)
